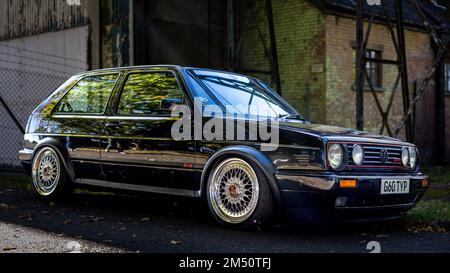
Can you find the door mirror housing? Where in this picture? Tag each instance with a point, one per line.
(169, 104)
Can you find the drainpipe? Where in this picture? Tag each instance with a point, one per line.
(273, 46)
(440, 110)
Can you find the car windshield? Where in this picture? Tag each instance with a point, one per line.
(245, 96)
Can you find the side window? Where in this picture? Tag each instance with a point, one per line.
(150, 94)
(88, 96)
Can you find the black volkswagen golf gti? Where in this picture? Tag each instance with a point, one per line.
(114, 129)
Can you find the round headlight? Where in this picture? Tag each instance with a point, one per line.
(335, 156)
(358, 154)
(412, 158)
(405, 157)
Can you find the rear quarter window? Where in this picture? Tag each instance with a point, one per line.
(89, 96)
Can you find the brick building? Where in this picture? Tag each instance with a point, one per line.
(315, 44)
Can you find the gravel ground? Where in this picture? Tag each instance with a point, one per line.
(161, 224)
(20, 239)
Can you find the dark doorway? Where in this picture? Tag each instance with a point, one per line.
(188, 33)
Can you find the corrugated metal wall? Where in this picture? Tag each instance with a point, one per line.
(20, 18)
(171, 31)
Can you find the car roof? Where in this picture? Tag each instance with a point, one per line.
(151, 67)
(128, 68)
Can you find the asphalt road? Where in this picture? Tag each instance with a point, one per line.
(161, 224)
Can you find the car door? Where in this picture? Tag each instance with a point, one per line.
(77, 122)
(137, 148)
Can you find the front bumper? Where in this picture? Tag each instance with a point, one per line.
(319, 197)
(25, 157)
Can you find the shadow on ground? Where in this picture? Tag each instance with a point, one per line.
(169, 224)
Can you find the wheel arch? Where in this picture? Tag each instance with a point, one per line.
(248, 153)
(60, 150)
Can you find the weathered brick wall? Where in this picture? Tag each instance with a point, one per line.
(306, 36)
(340, 98)
(300, 35)
(420, 58)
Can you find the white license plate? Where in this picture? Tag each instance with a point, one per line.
(395, 186)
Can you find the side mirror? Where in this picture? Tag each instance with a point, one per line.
(168, 104)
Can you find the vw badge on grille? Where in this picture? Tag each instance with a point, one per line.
(384, 155)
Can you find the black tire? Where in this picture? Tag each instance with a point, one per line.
(263, 212)
(49, 177)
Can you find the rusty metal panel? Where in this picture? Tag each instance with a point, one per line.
(21, 18)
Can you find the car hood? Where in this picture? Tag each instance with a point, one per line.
(333, 133)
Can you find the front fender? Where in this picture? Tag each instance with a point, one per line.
(249, 153)
(62, 153)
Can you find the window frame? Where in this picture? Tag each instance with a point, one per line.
(122, 87)
(56, 113)
(379, 86)
(378, 55)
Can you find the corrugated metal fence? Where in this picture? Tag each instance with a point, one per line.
(31, 68)
(20, 18)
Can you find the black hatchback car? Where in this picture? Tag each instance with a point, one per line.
(115, 129)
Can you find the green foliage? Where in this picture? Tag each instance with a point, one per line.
(431, 210)
(15, 181)
(440, 174)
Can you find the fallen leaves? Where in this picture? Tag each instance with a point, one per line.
(94, 219)
(426, 228)
(8, 248)
(7, 206)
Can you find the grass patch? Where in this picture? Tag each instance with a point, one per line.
(19, 181)
(431, 210)
(434, 208)
(438, 193)
(15, 181)
(439, 174)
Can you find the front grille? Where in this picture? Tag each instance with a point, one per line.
(373, 156)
